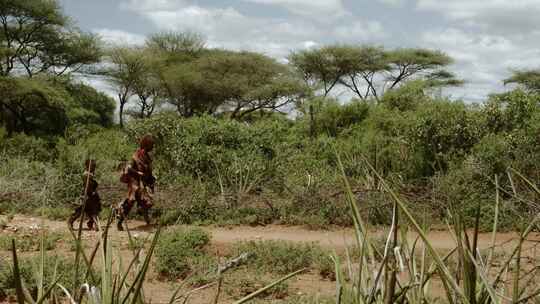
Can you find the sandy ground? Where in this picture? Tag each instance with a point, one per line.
(159, 291)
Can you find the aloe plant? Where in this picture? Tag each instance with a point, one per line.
(472, 282)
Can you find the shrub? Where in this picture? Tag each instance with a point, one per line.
(23, 187)
(445, 130)
(212, 149)
(241, 283)
(281, 257)
(332, 118)
(316, 208)
(29, 147)
(181, 251)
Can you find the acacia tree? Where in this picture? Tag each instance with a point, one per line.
(529, 80)
(323, 68)
(177, 45)
(367, 63)
(36, 37)
(147, 90)
(125, 70)
(33, 106)
(370, 71)
(38, 45)
(236, 82)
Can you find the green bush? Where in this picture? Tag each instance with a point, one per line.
(281, 257)
(181, 251)
(212, 149)
(445, 130)
(29, 147)
(23, 187)
(332, 118)
(242, 283)
(317, 209)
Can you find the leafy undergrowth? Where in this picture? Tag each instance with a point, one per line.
(31, 241)
(243, 282)
(282, 257)
(181, 251)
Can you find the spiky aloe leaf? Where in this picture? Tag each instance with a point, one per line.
(17, 274)
(447, 279)
(136, 287)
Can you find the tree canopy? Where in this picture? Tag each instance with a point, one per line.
(39, 49)
(237, 82)
(527, 79)
(370, 71)
(177, 70)
(36, 37)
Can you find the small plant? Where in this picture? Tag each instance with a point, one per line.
(54, 213)
(242, 283)
(31, 242)
(181, 251)
(55, 268)
(3, 223)
(283, 257)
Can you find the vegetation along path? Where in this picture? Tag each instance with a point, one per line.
(224, 236)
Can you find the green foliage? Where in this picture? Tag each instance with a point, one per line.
(34, 105)
(367, 71)
(510, 110)
(55, 266)
(36, 149)
(444, 130)
(45, 106)
(464, 189)
(94, 108)
(332, 118)
(181, 251)
(527, 79)
(281, 257)
(242, 81)
(407, 97)
(243, 283)
(31, 242)
(207, 147)
(57, 213)
(23, 187)
(315, 208)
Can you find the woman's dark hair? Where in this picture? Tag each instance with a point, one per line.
(147, 142)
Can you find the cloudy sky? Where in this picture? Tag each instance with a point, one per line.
(487, 38)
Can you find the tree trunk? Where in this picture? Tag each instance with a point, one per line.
(311, 122)
(121, 113)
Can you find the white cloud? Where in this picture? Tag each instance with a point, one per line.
(327, 8)
(394, 3)
(309, 44)
(146, 5)
(501, 16)
(488, 38)
(483, 60)
(112, 36)
(227, 27)
(360, 31)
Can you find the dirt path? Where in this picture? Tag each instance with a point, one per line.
(335, 238)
